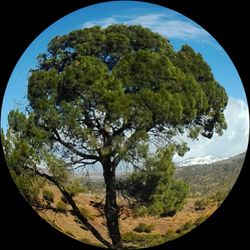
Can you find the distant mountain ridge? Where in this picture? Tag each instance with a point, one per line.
(204, 174)
(209, 159)
(208, 179)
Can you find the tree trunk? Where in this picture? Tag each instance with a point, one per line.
(111, 208)
(76, 210)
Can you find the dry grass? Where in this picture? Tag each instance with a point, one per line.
(68, 224)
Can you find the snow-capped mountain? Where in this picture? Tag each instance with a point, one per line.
(198, 161)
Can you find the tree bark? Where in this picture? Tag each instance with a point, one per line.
(111, 208)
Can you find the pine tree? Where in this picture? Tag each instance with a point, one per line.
(103, 95)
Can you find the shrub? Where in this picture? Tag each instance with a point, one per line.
(61, 206)
(219, 196)
(144, 228)
(185, 228)
(200, 204)
(139, 211)
(170, 235)
(142, 240)
(97, 197)
(188, 226)
(75, 187)
(63, 199)
(48, 196)
(29, 186)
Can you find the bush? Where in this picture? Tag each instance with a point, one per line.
(144, 228)
(63, 199)
(188, 226)
(219, 196)
(142, 240)
(48, 196)
(61, 207)
(185, 228)
(139, 211)
(29, 186)
(75, 187)
(200, 204)
(170, 235)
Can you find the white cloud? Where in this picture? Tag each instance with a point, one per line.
(181, 29)
(233, 141)
(168, 25)
(103, 23)
(171, 25)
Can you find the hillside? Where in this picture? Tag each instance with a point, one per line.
(205, 181)
(208, 179)
(163, 228)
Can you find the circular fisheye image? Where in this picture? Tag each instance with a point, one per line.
(124, 125)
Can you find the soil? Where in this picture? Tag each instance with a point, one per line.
(68, 223)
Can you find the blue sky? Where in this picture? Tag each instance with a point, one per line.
(176, 27)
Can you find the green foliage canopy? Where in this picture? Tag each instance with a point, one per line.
(104, 92)
(155, 188)
(19, 155)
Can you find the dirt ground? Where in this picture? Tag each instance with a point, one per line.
(68, 224)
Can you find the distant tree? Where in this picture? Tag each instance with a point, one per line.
(104, 95)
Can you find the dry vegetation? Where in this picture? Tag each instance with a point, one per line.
(144, 231)
(165, 228)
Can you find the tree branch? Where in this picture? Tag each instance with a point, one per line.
(122, 128)
(81, 161)
(77, 212)
(58, 138)
(83, 165)
(128, 145)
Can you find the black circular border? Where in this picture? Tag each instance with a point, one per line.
(23, 21)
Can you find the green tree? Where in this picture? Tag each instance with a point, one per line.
(24, 162)
(154, 187)
(16, 153)
(103, 95)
